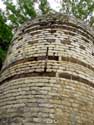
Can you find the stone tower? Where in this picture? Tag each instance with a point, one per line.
(48, 75)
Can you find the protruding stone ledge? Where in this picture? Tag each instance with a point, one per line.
(30, 74)
(56, 58)
(49, 74)
(76, 78)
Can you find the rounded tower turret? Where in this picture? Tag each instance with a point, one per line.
(48, 75)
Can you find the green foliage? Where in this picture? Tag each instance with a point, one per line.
(44, 6)
(82, 9)
(5, 37)
(24, 10)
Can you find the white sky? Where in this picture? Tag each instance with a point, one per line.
(55, 4)
(1, 5)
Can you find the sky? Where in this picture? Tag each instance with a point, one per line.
(55, 4)
(1, 5)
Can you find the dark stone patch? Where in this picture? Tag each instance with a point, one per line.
(50, 40)
(82, 47)
(18, 47)
(66, 41)
(43, 23)
(52, 31)
(76, 40)
(19, 51)
(20, 38)
(75, 78)
(32, 42)
(92, 53)
(87, 41)
(70, 33)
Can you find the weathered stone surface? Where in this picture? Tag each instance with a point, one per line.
(48, 75)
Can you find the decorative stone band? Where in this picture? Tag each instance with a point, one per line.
(56, 58)
(31, 59)
(50, 74)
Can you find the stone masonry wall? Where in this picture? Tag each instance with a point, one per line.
(48, 75)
